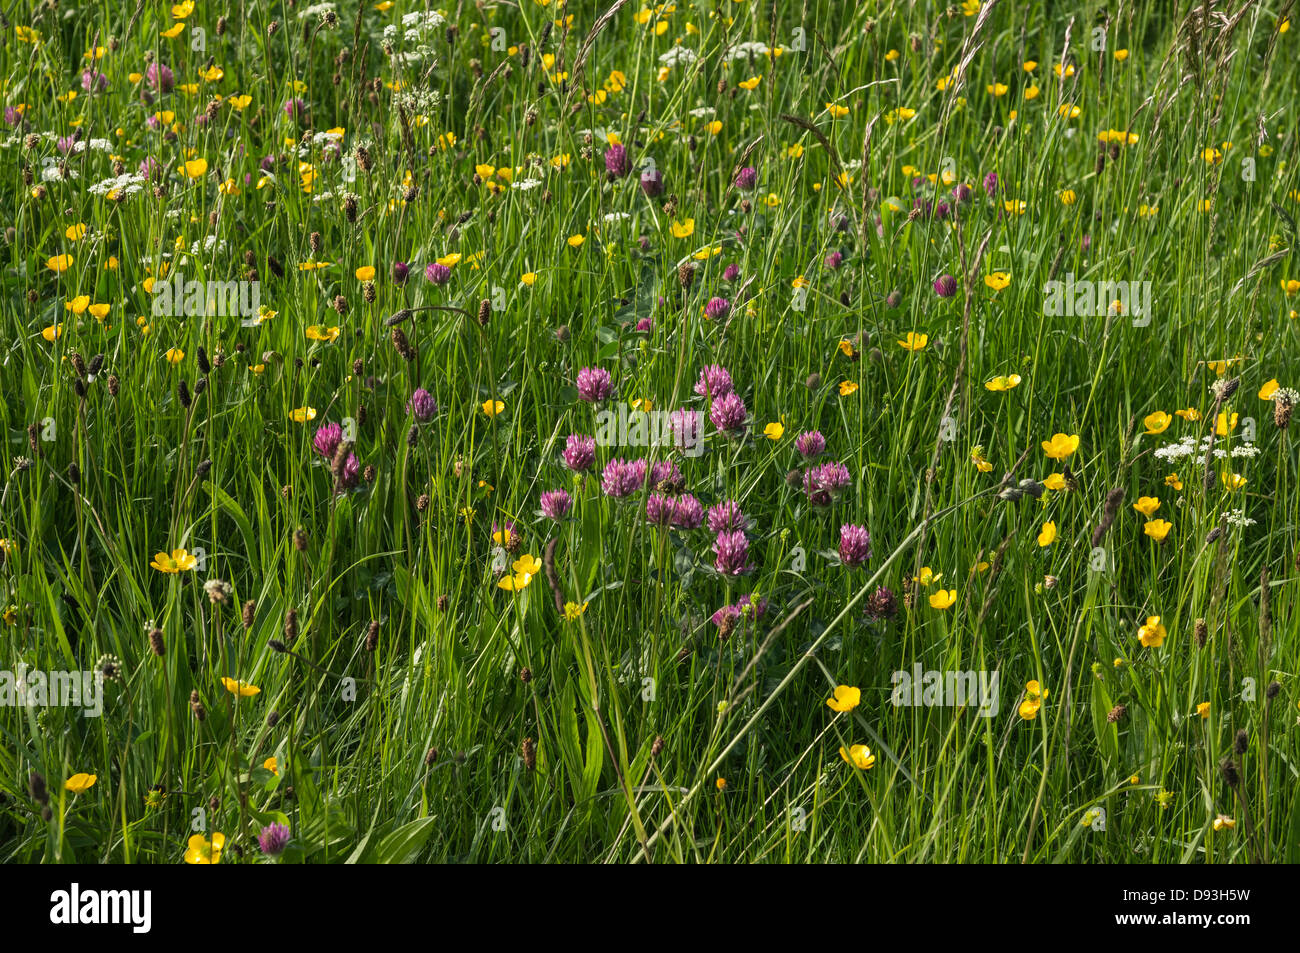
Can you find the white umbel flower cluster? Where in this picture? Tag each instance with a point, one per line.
(1189, 446)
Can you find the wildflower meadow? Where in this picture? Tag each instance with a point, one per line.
(722, 431)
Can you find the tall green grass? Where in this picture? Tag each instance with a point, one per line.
(635, 711)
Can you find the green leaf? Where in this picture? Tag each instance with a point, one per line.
(402, 845)
(236, 512)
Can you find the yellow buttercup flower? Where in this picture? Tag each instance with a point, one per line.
(515, 583)
(847, 388)
(1157, 422)
(859, 756)
(1157, 529)
(1152, 635)
(1047, 535)
(240, 688)
(846, 698)
(774, 431)
(1002, 383)
(79, 783)
(178, 560)
(493, 407)
(943, 599)
(683, 229)
(1060, 446)
(302, 415)
(527, 563)
(199, 850)
(1033, 701)
(1054, 481)
(1146, 505)
(914, 341)
(998, 280)
(928, 576)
